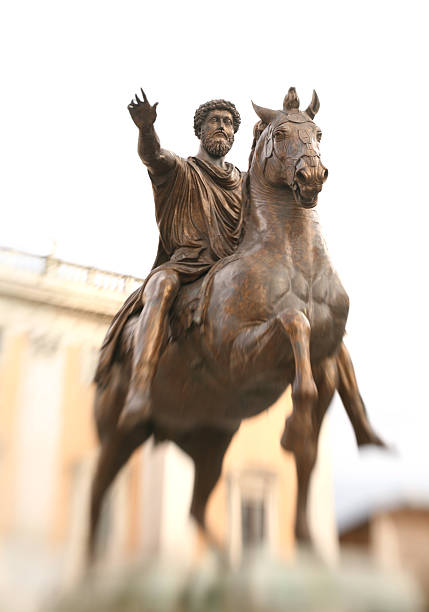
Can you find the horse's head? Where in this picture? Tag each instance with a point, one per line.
(289, 148)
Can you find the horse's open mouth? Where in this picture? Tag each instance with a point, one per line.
(305, 201)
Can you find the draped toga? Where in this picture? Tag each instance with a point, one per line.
(199, 213)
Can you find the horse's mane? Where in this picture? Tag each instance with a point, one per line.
(259, 127)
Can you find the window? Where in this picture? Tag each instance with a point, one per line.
(252, 511)
(253, 529)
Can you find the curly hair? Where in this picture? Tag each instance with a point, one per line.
(203, 110)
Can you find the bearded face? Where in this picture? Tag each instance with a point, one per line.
(217, 133)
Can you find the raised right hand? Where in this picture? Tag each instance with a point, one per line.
(141, 111)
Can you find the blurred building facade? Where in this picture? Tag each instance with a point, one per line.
(53, 318)
(397, 537)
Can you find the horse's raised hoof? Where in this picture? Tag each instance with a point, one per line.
(372, 438)
(137, 410)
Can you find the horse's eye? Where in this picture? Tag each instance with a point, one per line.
(319, 135)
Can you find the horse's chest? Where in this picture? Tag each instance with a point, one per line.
(325, 303)
(327, 311)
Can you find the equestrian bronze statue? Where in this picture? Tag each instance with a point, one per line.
(257, 305)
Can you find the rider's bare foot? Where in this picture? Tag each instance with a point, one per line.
(137, 409)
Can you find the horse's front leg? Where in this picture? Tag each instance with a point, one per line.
(352, 401)
(265, 344)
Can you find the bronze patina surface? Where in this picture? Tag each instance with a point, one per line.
(264, 309)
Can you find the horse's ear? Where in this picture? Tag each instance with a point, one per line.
(314, 105)
(291, 101)
(266, 114)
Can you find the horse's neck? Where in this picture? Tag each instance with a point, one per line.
(274, 215)
(277, 223)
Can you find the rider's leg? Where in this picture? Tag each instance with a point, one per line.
(150, 339)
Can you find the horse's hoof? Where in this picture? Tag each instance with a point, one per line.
(379, 442)
(137, 410)
(373, 439)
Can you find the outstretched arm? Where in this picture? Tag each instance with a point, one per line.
(143, 114)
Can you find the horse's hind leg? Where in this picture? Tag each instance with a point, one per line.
(116, 449)
(326, 378)
(300, 434)
(352, 400)
(110, 398)
(207, 447)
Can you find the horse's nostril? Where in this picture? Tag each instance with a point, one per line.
(325, 174)
(300, 175)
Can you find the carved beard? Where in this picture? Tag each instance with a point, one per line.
(214, 146)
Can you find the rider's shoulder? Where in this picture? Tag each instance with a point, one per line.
(168, 164)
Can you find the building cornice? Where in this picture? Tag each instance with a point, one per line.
(48, 280)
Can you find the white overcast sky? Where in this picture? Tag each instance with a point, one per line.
(71, 174)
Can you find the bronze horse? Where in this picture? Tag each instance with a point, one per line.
(270, 315)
